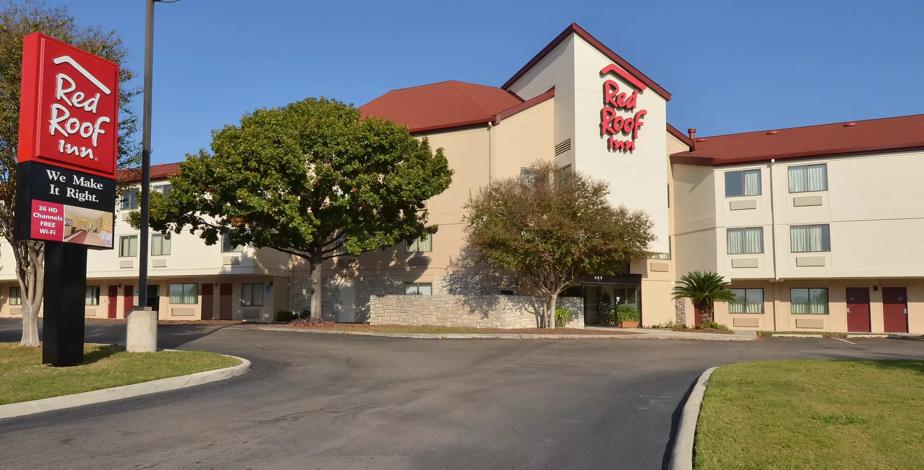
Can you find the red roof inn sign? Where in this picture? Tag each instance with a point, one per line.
(68, 144)
(621, 129)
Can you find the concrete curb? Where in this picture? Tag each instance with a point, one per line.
(682, 453)
(630, 336)
(14, 410)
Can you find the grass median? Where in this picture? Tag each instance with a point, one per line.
(23, 377)
(820, 414)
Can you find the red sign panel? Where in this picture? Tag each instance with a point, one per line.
(69, 107)
(619, 121)
(47, 221)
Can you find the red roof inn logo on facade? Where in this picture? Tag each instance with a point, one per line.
(69, 107)
(617, 120)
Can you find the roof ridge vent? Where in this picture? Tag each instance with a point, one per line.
(773, 132)
(850, 124)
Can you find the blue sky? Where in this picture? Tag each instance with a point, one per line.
(731, 66)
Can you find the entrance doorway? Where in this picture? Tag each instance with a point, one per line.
(224, 301)
(895, 309)
(600, 300)
(128, 300)
(113, 303)
(858, 310)
(208, 301)
(153, 298)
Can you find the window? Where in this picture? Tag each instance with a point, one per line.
(252, 295)
(809, 238)
(808, 178)
(184, 293)
(747, 301)
(129, 199)
(742, 183)
(418, 288)
(420, 245)
(128, 246)
(15, 296)
(162, 188)
(226, 245)
(742, 241)
(160, 244)
(92, 296)
(528, 174)
(809, 301)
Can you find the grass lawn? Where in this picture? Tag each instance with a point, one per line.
(363, 327)
(23, 377)
(821, 414)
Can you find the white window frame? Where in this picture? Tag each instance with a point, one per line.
(825, 238)
(130, 245)
(15, 295)
(414, 288)
(249, 293)
(805, 182)
(160, 241)
(91, 296)
(423, 244)
(743, 173)
(743, 231)
(746, 301)
(808, 294)
(183, 296)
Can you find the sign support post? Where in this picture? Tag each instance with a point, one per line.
(65, 288)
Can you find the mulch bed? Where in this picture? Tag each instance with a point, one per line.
(363, 327)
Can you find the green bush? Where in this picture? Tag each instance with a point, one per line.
(563, 315)
(285, 316)
(711, 325)
(626, 313)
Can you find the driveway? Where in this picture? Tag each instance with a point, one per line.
(347, 402)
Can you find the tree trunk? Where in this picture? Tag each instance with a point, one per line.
(316, 291)
(550, 314)
(30, 272)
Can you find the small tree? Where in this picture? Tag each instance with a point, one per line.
(703, 289)
(16, 21)
(552, 227)
(311, 179)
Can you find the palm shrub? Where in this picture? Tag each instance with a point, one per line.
(703, 289)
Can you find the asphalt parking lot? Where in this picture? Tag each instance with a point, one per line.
(344, 402)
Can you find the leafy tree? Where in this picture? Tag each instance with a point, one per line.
(551, 228)
(703, 289)
(311, 179)
(16, 21)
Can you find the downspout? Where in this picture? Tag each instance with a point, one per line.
(490, 151)
(776, 277)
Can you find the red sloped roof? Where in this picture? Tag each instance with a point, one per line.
(583, 34)
(894, 133)
(158, 172)
(441, 105)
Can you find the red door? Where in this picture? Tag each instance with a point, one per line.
(208, 302)
(113, 301)
(895, 309)
(128, 300)
(698, 316)
(224, 302)
(858, 309)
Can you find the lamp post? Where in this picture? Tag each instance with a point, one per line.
(143, 337)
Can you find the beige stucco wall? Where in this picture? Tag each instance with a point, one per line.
(778, 315)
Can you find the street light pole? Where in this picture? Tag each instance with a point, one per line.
(146, 157)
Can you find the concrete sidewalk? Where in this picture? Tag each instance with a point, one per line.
(663, 333)
(630, 334)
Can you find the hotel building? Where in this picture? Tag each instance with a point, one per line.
(818, 228)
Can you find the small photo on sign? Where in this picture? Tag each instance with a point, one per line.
(87, 226)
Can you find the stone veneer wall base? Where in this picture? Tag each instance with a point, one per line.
(473, 311)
